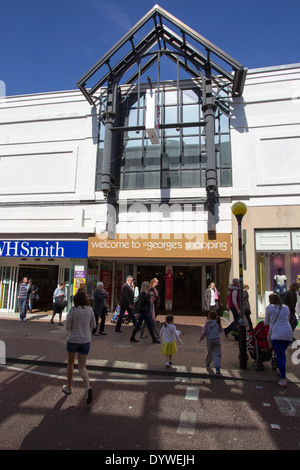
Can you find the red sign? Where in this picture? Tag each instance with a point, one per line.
(169, 285)
(106, 278)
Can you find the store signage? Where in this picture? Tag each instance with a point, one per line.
(160, 246)
(79, 278)
(43, 249)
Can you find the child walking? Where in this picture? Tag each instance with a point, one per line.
(212, 330)
(169, 335)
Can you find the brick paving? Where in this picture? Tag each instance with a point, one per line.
(38, 341)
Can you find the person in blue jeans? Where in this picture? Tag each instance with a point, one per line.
(23, 298)
(278, 317)
(144, 309)
(212, 330)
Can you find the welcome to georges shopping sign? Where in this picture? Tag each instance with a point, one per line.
(43, 249)
(160, 246)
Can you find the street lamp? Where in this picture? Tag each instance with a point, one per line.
(239, 209)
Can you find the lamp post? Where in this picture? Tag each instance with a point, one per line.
(239, 209)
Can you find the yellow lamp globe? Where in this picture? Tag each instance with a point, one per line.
(239, 208)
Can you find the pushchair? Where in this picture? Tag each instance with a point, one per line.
(259, 348)
(125, 320)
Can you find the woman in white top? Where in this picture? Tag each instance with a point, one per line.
(79, 323)
(278, 317)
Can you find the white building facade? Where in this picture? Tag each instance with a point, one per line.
(57, 225)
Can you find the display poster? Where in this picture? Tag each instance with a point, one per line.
(79, 277)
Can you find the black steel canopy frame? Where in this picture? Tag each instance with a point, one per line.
(202, 60)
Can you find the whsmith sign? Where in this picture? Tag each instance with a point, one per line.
(43, 249)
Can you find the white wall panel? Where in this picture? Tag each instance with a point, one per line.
(40, 172)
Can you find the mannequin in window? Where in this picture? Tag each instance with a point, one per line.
(279, 283)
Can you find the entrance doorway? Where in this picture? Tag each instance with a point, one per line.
(45, 278)
(187, 290)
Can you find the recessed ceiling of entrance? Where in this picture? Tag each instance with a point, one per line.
(156, 37)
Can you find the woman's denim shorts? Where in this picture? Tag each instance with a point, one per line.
(80, 348)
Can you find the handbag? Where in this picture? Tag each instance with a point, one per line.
(270, 330)
(60, 304)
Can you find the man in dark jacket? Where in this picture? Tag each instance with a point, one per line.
(126, 303)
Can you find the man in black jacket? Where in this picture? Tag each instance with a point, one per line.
(126, 303)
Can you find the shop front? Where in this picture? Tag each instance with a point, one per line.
(47, 262)
(184, 265)
(278, 263)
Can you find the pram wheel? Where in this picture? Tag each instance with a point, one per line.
(258, 365)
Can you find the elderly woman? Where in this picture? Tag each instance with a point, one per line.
(281, 333)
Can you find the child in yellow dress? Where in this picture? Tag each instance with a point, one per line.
(169, 335)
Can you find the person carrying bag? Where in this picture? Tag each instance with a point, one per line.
(280, 334)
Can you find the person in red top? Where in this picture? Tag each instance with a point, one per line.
(234, 305)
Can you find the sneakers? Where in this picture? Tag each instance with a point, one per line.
(89, 396)
(89, 393)
(283, 383)
(66, 390)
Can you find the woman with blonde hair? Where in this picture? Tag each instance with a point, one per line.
(154, 297)
(143, 309)
(212, 297)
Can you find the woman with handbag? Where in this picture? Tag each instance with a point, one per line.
(144, 311)
(280, 332)
(211, 298)
(59, 302)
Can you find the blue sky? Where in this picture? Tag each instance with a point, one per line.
(47, 45)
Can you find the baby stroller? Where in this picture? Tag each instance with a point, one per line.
(115, 315)
(125, 319)
(259, 348)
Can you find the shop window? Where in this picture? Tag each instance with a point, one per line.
(275, 273)
(179, 160)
